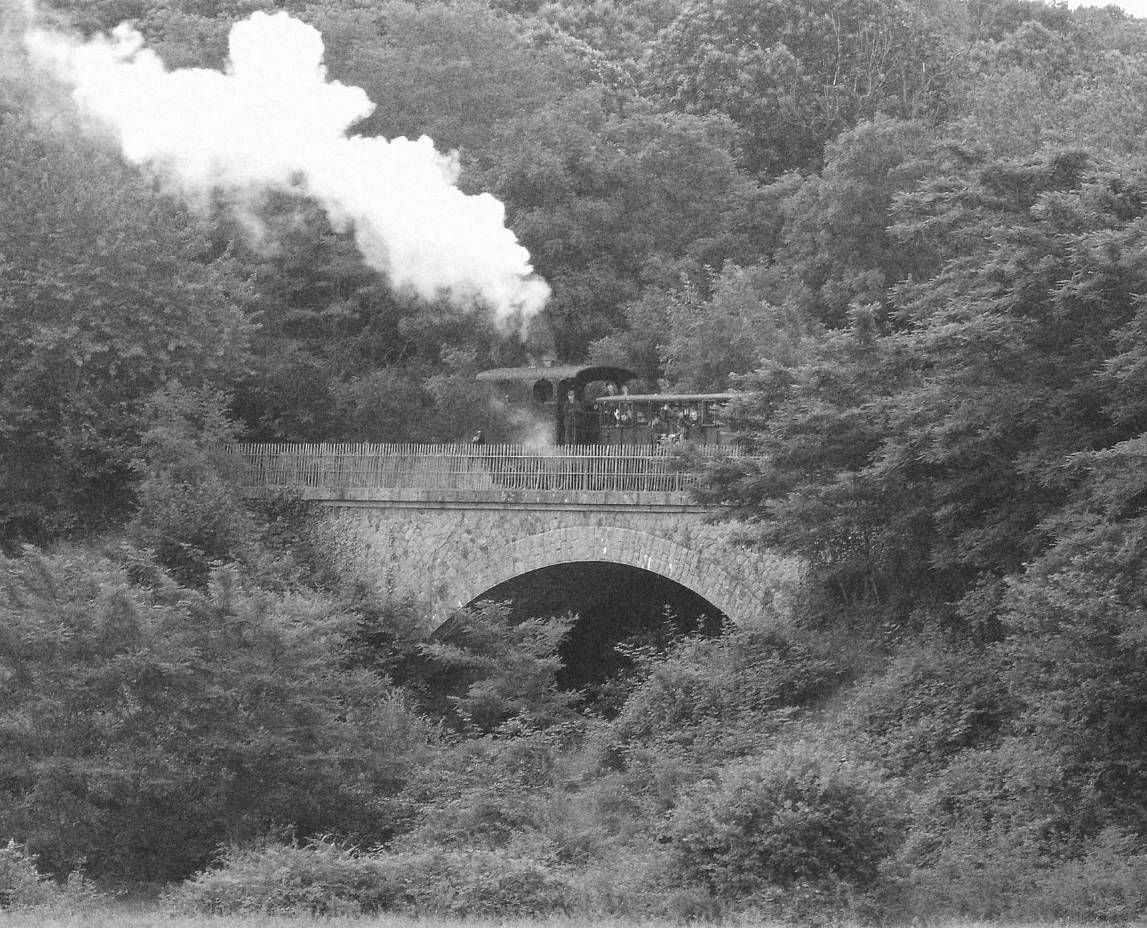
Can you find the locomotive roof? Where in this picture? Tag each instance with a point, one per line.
(664, 397)
(583, 373)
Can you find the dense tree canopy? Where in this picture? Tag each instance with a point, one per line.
(618, 137)
(144, 724)
(912, 235)
(609, 203)
(793, 77)
(919, 457)
(108, 290)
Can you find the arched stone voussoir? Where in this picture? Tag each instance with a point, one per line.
(571, 544)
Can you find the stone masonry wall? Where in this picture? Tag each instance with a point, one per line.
(446, 554)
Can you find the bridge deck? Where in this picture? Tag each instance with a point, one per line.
(328, 471)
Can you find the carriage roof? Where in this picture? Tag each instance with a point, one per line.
(666, 398)
(581, 373)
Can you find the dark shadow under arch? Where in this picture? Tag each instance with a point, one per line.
(614, 603)
(650, 552)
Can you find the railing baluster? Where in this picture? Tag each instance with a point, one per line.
(616, 468)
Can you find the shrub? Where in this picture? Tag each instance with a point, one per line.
(710, 702)
(971, 873)
(790, 819)
(1107, 883)
(190, 513)
(636, 881)
(322, 878)
(716, 698)
(318, 878)
(1077, 658)
(500, 672)
(1002, 833)
(140, 726)
(22, 886)
(480, 884)
(1001, 874)
(488, 793)
(931, 703)
(1015, 788)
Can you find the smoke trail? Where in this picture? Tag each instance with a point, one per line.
(15, 18)
(273, 120)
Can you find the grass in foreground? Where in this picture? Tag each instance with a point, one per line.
(113, 917)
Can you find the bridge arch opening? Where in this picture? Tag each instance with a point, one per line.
(613, 603)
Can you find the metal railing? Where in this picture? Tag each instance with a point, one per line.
(616, 468)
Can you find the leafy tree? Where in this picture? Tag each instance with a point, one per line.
(610, 34)
(837, 239)
(422, 403)
(339, 356)
(108, 290)
(185, 39)
(936, 701)
(639, 344)
(101, 15)
(153, 16)
(1048, 265)
(790, 819)
(1071, 86)
(453, 71)
(502, 673)
(792, 77)
(143, 724)
(708, 700)
(610, 203)
(733, 332)
(815, 428)
(700, 339)
(325, 318)
(991, 20)
(1076, 622)
(190, 513)
(914, 467)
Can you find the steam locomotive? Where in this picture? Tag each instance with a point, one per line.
(591, 405)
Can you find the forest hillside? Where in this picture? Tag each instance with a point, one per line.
(910, 236)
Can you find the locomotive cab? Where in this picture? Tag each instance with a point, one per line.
(561, 394)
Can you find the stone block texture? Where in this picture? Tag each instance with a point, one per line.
(446, 554)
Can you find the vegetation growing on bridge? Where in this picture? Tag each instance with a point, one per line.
(912, 234)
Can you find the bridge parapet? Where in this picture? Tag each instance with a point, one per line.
(503, 474)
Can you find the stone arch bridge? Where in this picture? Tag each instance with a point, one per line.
(445, 524)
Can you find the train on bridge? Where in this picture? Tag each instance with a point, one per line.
(592, 405)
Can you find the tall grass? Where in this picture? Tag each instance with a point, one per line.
(120, 917)
(116, 917)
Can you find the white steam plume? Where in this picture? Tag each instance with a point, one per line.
(273, 120)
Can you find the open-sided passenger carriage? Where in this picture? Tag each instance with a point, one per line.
(591, 405)
(659, 417)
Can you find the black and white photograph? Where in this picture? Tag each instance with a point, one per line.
(573, 463)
